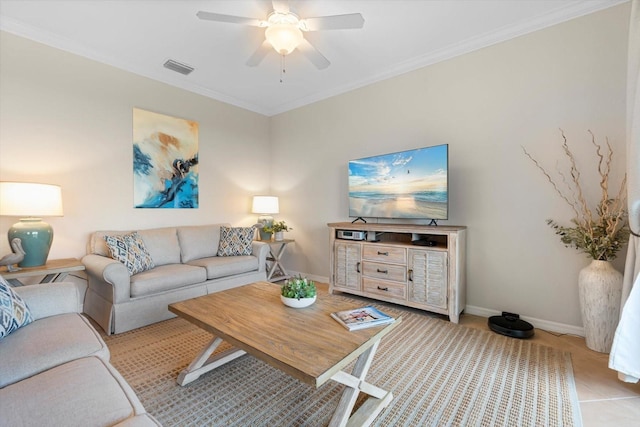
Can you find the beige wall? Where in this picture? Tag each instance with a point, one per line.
(485, 105)
(67, 120)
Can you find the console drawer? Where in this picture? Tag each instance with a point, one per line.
(384, 288)
(384, 253)
(379, 270)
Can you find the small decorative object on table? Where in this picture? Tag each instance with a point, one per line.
(14, 257)
(278, 228)
(298, 292)
(600, 233)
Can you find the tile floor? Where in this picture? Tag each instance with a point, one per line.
(604, 400)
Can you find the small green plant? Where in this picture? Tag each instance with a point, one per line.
(298, 287)
(276, 227)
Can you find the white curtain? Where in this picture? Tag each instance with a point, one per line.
(625, 352)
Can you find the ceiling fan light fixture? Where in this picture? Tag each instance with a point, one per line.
(284, 37)
(283, 32)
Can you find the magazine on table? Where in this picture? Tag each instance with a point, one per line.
(360, 318)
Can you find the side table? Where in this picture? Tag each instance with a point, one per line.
(276, 252)
(54, 270)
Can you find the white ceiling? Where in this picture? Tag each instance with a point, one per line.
(398, 36)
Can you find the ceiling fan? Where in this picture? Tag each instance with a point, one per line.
(284, 31)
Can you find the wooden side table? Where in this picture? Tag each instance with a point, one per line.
(54, 270)
(276, 252)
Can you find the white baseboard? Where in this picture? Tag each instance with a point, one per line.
(546, 325)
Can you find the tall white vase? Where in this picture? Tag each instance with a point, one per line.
(600, 290)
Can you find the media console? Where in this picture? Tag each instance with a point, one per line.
(418, 266)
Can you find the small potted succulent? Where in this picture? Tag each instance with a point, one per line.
(298, 292)
(277, 228)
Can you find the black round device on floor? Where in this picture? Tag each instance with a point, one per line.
(511, 325)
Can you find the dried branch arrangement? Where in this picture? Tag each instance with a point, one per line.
(599, 233)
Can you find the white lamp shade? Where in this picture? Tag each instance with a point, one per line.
(26, 199)
(265, 205)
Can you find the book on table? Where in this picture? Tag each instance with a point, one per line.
(360, 318)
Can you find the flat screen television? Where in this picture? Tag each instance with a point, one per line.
(410, 184)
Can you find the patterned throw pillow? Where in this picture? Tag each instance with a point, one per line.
(14, 312)
(235, 241)
(130, 250)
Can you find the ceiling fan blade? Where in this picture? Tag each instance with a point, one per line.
(334, 22)
(281, 6)
(209, 16)
(256, 58)
(313, 55)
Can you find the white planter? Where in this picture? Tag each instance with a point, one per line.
(297, 303)
(279, 236)
(600, 290)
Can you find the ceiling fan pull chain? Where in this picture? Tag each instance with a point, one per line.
(282, 68)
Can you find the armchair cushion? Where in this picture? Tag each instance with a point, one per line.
(235, 241)
(14, 312)
(130, 250)
(47, 343)
(83, 392)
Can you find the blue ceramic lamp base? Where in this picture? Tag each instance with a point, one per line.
(266, 221)
(36, 237)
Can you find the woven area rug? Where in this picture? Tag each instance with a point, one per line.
(441, 374)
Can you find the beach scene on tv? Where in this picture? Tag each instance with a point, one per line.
(407, 184)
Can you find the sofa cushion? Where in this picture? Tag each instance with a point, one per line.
(14, 312)
(227, 266)
(235, 241)
(162, 244)
(130, 250)
(46, 343)
(83, 392)
(166, 277)
(200, 241)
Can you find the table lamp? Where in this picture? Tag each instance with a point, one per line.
(31, 201)
(265, 206)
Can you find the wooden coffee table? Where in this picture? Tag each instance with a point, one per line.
(305, 343)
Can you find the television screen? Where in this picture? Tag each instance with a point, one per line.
(410, 184)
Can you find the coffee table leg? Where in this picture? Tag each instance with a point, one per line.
(204, 362)
(378, 400)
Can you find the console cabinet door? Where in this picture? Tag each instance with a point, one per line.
(347, 265)
(428, 277)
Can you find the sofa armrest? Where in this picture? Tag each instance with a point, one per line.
(108, 278)
(50, 299)
(260, 250)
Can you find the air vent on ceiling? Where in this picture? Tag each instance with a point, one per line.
(178, 67)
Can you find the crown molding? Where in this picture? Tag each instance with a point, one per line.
(566, 13)
(509, 32)
(53, 40)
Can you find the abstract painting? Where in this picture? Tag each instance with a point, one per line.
(165, 161)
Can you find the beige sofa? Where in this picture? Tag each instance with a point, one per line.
(186, 266)
(55, 371)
